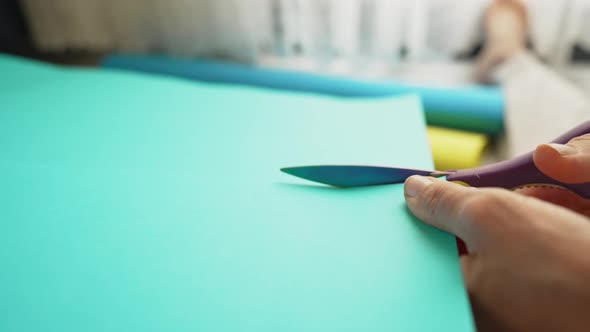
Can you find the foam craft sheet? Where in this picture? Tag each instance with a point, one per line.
(473, 108)
(456, 149)
(131, 203)
(451, 149)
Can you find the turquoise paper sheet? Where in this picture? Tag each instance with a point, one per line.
(132, 203)
(473, 108)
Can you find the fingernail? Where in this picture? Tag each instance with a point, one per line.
(415, 184)
(564, 150)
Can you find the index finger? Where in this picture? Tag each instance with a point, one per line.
(569, 163)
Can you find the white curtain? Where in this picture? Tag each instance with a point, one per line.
(317, 30)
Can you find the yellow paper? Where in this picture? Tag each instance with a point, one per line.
(455, 149)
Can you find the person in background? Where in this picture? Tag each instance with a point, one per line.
(540, 103)
(528, 266)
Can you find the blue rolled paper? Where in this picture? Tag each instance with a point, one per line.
(473, 108)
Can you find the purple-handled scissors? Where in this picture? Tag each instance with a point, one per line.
(510, 174)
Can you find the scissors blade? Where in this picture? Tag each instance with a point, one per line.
(346, 176)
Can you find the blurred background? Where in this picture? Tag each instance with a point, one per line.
(429, 43)
(365, 36)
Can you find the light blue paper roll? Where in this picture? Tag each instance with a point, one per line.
(478, 109)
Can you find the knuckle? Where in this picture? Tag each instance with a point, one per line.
(477, 206)
(485, 204)
(582, 141)
(436, 196)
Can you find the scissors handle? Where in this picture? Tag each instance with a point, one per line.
(521, 171)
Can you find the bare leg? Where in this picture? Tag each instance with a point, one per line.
(540, 104)
(506, 32)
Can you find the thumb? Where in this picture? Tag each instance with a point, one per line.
(440, 204)
(569, 163)
(478, 216)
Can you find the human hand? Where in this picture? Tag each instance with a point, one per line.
(528, 267)
(569, 163)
